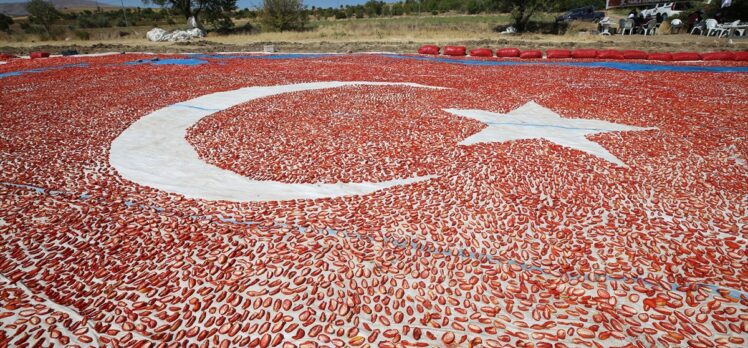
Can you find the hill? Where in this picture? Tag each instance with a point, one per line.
(19, 8)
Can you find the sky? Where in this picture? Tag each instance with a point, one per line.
(244, 3)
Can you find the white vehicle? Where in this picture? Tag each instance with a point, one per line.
(667, 9)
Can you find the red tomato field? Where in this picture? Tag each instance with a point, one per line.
(372, 200)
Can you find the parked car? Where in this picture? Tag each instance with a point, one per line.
(668, 9)
(581, 14)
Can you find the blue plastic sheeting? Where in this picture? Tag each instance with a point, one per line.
(639, 67)
(179, 61)
(194, 60)
(256, 56)
(200, 58)
(38, 70)
(659, 67)
(169, 61)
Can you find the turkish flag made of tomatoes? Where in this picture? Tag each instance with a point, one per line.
(302, 200)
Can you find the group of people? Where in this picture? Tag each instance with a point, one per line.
(694, 19)
(640, 20)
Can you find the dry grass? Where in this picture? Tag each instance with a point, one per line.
(400, 34)
(445, 27)
(453, 27)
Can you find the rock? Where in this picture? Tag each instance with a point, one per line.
(158, 34)
(196, 32)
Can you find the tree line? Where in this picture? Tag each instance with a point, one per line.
(43, 15)
(374, 8)
(521, 10)
(282, 15)
(285, 15)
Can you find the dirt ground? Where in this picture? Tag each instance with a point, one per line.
(248, 43)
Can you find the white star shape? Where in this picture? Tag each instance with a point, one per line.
(533, 121)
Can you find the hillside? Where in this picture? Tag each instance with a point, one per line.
(19, 8)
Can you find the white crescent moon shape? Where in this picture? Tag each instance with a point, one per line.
(153, 152)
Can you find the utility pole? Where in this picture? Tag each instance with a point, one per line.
(419, 13)
(124, 14)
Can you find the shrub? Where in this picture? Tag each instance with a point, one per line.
(82, 35)
(284, 15)
(93, 21)
(42, 13)
(30, 28)
(5, 22)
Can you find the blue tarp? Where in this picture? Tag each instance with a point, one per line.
(199, 59)
(38, 70)
(625, 66)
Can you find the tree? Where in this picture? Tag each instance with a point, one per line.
(387, 11)
(474, 7)
(359, 12)
(397, 9)
(374, 8)
(522, 11)
(349, 11)
(565, 5)
(42, 13)
(216, 12)
(737, 10)
(5, 22)
(186, 8)
(284, 15)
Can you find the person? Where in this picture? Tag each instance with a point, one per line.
(604, 25)
(675, 26)
(632, 14)
(694, 19)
